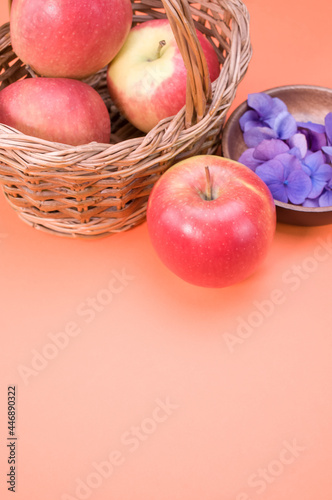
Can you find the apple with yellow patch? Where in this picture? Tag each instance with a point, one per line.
(147, 79)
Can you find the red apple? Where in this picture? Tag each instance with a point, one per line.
(56, 109)
(147, 79)
(211, 220)
(69, 38)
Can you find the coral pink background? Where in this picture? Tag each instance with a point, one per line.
(147, 399)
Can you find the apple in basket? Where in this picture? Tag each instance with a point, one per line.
(56, 109)
(69, 38)
(211, 220)
(147, 79)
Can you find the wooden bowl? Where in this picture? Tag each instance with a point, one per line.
(306, 103)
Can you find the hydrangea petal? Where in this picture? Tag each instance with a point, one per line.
(328, 127)
(299, 141)
(269, 148)
(272, 173)
(260, 102)
(317, 188)
(247, 158)
(324, 172)
(319, 172)
(313, 203)
(314, 160)
(328, 151)
(289, 162)
(325, 199)
(298, 187)
(317, 141)
(256, 135)
(278, 106)
(278, 191)
(313, 127)
(315, 134)
(249, 119)
(320, 176)
(285, 125)
(296, 152)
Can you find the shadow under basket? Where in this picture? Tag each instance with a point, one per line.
(96, 189)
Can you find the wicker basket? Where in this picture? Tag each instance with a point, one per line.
(98, 189)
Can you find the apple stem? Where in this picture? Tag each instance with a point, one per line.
(30, 70)
(162, 43)
(208, 192)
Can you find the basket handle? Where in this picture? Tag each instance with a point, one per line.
(10, 5)
(199, 91)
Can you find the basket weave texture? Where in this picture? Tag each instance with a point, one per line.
(97, 189)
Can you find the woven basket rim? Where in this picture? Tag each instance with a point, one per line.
(99, 188)
(144, 140)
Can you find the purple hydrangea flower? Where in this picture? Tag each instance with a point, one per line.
(299, 145)
(285, 178)
(312, 203)
(248, 159)
(319, 172)
(256, 135)
(266, 150)
(325, 199)
(314, 133)
(328, 151)
(288, 155)
(263, 109)
(285, 125)
(328, 129)
(268, 118)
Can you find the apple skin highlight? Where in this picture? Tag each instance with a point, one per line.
(148, 82)
(211, 243)
(69, 38)
(56, 109)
